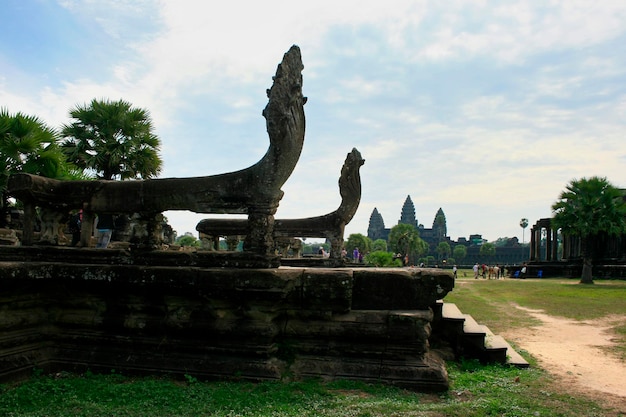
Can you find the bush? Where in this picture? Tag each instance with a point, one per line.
(188, 240)
(382, 258)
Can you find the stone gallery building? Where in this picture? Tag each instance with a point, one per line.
(555, 254)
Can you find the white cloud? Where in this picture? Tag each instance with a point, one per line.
(512, 32)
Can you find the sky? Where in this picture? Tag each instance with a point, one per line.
(485, 109)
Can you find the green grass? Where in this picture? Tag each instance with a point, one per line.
(485, 299)
(476, 390)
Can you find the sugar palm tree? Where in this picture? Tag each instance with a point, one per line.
(587, 208)
(523, 224)
(27, 145)
(405, 239)
(113, 140)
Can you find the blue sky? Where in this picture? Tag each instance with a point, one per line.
(486, 109)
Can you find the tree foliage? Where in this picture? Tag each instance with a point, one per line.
(357, 240)
(27, 145)
(402, 237)
(113, 140)
(188, 240)
(379, 245)
(487, 249)
(459, 253)
(382, 259)
(405, 240)
(586, 208)
(443, 250)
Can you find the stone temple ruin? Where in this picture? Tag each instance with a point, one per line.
(217, 314)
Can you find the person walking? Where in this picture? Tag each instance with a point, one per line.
(105, 230)
(522, 274)
(355, 255)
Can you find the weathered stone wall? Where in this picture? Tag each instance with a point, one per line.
(266, 323)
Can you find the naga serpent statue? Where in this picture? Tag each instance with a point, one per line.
(255, 191)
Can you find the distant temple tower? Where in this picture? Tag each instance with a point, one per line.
(440, 230)
(376, 229)
(408, 213)
(438, 233)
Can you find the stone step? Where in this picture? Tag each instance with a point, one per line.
(437, 310)
(495, 348)
(478, 340)
(474, 335)
(513, 358)
(471, 326)
(450, 311)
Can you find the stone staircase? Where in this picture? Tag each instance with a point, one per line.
(469, 339)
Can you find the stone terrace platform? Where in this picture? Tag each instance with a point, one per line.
(170, 313)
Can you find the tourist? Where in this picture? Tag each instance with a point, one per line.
(454, 269)
(355, 255)
(104, 227)
(522, 274)
(475, 268)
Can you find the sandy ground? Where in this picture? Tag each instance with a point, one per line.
(573, 352)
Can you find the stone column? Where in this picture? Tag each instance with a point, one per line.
(231, 242)
(86, 228)
(155, 230)
(548, 244)
(259, 238)
(555, 244)
(533, 249)
(147, 231)
(28, 223)
(336, 243)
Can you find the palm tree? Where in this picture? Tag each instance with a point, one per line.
(113, 140)
(523, 224)
(587, 208)
(27, 145)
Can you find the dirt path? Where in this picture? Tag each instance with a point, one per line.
(572, 351)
